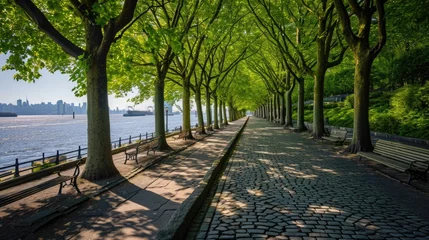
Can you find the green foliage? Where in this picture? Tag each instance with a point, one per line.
(349, 101)
(403, 100)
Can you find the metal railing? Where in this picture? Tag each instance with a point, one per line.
(52, 160)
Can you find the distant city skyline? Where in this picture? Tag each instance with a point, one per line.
(49, 88)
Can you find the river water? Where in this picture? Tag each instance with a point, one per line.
(27, 137)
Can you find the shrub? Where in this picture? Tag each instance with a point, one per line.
(404, 100)
(349, 101)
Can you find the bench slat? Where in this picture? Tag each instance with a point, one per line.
(385, 161)
(14, 196)
(402, 152)
(404, 146)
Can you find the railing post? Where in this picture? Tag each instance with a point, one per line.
(146, 136)
(180, 127)
(16, 174)
(114, 145)
(152, 136)
(119, 142)
(43, 158)
(129, 142)
(79, 156)
(140, 137)
(57, 160)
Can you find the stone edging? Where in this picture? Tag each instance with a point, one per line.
(178, 225)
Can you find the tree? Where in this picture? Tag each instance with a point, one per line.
(85, 31)
(364, 55)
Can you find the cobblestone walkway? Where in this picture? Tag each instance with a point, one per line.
(279, 185)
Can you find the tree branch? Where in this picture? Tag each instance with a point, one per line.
(34, 13)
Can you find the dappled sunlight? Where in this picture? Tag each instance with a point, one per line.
(294, 148)
(256, 193)
(327, 170)
(299, 174)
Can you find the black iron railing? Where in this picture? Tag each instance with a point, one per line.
(51, 160)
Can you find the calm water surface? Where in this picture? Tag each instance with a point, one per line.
(27, 137)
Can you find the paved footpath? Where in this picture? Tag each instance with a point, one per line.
(140, 207)
(281, 185)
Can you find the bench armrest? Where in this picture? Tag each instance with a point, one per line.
(412, 164)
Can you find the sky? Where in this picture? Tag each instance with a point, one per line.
(49, 88)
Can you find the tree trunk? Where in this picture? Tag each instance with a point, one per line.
(99, 163)
(274, 107)
(186, 105)
(215, 117)
(199, 109)
(318, 117)
(208, 110)
(300, 120)
(289, 109)
(278, 106)
(225, 119)
(231, 112)
(361, 140)
(220, 112)
(159, 114)
(282, 109)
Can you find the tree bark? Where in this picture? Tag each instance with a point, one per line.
(99, 163)
(220, 111)
(318, 117)
(199, 109)
(300, 120)
(159, 114)
(225, 119)
(215, 116)
(208, 110)
(289, 109)
(282, 109)
(361, 140)
(186, 104)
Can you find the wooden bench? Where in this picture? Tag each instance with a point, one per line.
(132, 152)
(337, 136)
(181, 135)
(402, 157)
(199, 130)
(294, 127)
(60, 179)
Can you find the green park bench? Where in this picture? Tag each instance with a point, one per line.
(402, 157)
(60, 179)
(336, 136)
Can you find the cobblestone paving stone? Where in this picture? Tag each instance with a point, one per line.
(279, 185)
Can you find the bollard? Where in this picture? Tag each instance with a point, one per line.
(146, 136)
(16, 174)
(129, 141)
(152, 136)
(140, 137)
(180, 128)
(79, 156)
(57, 160)
(119, 142)
(43, 158)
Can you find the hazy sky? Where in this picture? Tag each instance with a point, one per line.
(49, 88)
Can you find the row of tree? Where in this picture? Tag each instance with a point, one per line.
(167, 50)
(226, 55)
(328, 28)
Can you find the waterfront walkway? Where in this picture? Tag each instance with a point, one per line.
(283, 185)
(135, 209)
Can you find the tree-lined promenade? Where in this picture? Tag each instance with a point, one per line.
(229, 56)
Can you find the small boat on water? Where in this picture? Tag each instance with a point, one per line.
(134, 113)
(8, 114)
